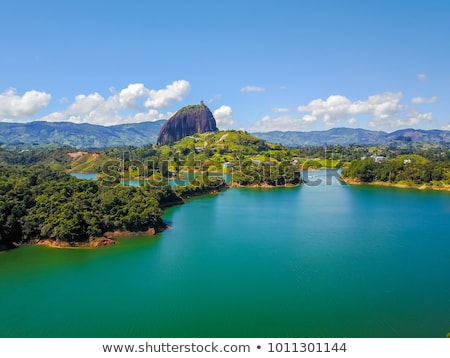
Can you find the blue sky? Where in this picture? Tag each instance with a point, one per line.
(260, 66)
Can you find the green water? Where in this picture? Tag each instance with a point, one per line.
(314, 261)
(187, 178)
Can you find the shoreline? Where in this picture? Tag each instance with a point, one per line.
(444, 187)
(264, 186)
(108, 239)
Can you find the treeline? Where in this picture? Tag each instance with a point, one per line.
(410, 169)
(200, 185)
(37, 203)
(267, 173)
(53, 157)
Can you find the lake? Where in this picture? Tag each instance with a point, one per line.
(310, 261)
(185, 180)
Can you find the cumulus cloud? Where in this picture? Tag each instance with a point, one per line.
(280, 109)
(411, 119)
(446, 128)
(281, 123)
(163, 98)
(14, 106)
(423, 100)
(224, 117)
(422, 77)
(252, 89)
(337, 107)
(381, 111)
(133, 104)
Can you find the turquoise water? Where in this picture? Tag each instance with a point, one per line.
(311, 261)
(185, 181)
(86, 176)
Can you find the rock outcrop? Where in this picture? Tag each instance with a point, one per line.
(187, 121)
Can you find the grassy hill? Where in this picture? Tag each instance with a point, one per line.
(86, 162)
(224, 151)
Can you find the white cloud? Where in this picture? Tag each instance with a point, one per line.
(337, 107)
(252, 89)
(86, 104)
(423, 100)
(384, 109)
(411, 119)
(224, 117)
(214, 98)
(282, 123)
(163, 98)
(446, 128)
(14, 106)
(309, 119)
(381, 111)
(422, 77)
(280, 109)
(133, 104)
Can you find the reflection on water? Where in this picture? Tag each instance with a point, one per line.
(185, 179)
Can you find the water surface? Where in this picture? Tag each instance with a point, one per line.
(311, 261)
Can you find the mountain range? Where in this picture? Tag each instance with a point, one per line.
(14, 135)
(78, 135)
(347, 136)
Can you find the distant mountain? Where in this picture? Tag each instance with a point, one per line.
(187, 121)
(433, 136)
(347, 136)
(78, 135)
(13, 135)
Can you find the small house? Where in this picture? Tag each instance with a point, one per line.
(378, 158)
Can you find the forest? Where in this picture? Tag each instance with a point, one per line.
(412, 169)
(38, 203)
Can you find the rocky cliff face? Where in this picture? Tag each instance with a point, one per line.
(187, 121)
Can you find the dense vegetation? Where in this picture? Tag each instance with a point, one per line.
(251, 160)
(410, 169)
(37, 202)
